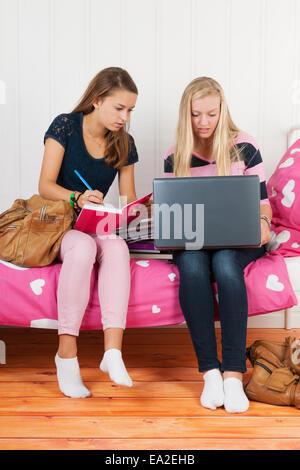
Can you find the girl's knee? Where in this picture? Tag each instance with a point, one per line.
(225, 266)
(113, 247)
(80, 246)
(192, 264)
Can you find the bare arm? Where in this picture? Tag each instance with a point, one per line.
(52, 160)
(126, 184)
(265, 209)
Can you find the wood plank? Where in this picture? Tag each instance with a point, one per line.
(34, 340)
(96, 338)
(149, 444)
(63, 406)
(156, 359)
(139, 406)
(276, 334)
(105, 390)
(152, 331)
(84, 350)
(116, 427)
(143, 374)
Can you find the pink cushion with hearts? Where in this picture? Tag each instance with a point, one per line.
(284, 196)
(28, 296)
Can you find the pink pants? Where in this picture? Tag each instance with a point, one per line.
(79, 252)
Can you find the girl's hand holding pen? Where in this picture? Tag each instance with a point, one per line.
(90, 197)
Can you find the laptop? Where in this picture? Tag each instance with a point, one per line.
(210, 212)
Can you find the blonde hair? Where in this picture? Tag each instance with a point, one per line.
(223, 150)
(104, 84)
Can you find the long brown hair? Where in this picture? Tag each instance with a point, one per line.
(104, 84)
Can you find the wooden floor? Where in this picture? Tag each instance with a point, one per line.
(161, 411)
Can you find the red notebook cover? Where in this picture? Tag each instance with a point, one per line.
(101, 220)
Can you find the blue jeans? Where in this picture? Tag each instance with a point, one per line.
(197, 270)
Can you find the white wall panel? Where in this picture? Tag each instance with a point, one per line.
(137, 49)
(211, 38)
(276, 104)
(69, 62)
(175, 48)
(104, 24)
(246, 65)
(139, 58)
(51, 49)
(34, 82)
(295, 53)
(9, 110)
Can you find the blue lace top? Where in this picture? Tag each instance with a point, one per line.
(67, 130)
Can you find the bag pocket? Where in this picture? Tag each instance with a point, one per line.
(42, 242)
(280, 379)
(9, 240)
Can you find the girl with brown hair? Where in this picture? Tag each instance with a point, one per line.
(93, 140)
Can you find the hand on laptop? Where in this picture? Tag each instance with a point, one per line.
(265, 232)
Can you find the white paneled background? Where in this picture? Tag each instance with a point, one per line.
(51, 49)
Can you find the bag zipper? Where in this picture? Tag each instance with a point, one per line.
(263, 366)
(42, 213)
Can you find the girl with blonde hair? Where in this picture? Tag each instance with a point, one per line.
(209, 143)
(93, 140)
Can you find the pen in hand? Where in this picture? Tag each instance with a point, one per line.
(98, 194)
(83, 180)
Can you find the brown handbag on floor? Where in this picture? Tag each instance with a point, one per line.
(273, 385)
(286, 354)
(276, 370)
(31, 231)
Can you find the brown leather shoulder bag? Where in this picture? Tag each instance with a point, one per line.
(31, 231)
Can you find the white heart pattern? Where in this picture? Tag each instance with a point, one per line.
(295, 150)
(171, 276)
(287, 163)
(274, 284)
(295, 245)
(155, 309)
(13, 266)
(37, 286)
(274, 193)
(289, 196)
(143, 263)
(44, 323)
(276, 240)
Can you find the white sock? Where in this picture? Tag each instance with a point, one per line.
(235, 400)
(112, 363)
(213, 393)
(69, 378)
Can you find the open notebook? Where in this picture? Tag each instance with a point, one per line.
(104, 220)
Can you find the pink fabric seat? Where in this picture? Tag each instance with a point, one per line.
(28, 296)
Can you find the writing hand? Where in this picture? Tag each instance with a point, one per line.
(90, 197)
